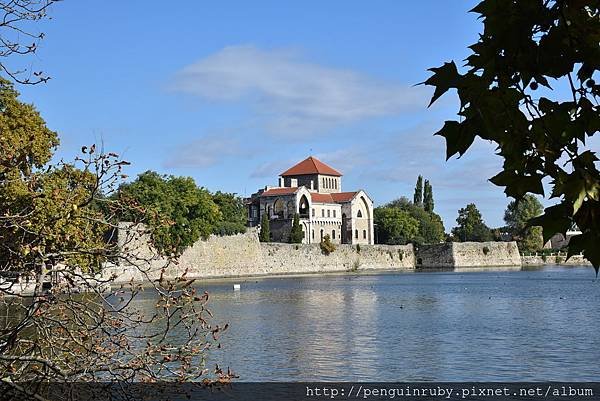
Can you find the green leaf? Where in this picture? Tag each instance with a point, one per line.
(458, 138)
(518, 185)
(586, 243)
(556, 219)
(443, 78)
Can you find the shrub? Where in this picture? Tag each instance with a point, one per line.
(486, 250)
(400, 254)
(296, 235)
(357, 248)
(265, 229)
(326, 245)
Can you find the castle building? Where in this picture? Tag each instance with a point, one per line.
(313, 190)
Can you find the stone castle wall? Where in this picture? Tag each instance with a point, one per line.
(469, 254)
(559, 260)
(243, 255)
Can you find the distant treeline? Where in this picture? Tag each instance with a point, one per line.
(402, 222)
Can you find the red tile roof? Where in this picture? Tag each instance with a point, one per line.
(341, 197)
(321, 198)
(311, 166)
(280, 191)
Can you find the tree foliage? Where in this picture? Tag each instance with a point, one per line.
(296, 235)
(42, 212)
(430, 228)
(326, 245)
(512, 93)
(517, 216)
(395, 226)
(177, 210)
(428, 203)
(56, 231)
(418, 196)
(265, 229)
(233, 214)
(471, 226)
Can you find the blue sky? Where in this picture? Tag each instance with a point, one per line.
(232, 93)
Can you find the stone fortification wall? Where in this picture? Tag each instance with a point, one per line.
(484, 254)
(539, 260)
(244, 255)
(439, 256)
(469, 254)
(288, 258)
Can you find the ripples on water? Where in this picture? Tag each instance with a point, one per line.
(445, 326)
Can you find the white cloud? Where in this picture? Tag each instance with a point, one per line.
(294, 95)
(272, 169)
(203, 152)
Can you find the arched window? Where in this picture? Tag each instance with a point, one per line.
(303, 208)
(278, 208)
(335, 181)
(355, 233)
(359, 214)
(321, 234)
(365, 234)
(333, 234)
(313, 234)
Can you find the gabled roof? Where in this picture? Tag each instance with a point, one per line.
(280, 191)
(341, 197)
(311, 165)
(321, 198)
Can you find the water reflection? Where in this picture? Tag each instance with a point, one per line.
(537, 324)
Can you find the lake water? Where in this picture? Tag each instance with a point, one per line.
(540, 324)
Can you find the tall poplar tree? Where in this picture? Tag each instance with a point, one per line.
(428, 197)
(418, 197)
(265, 229)
(530, 85)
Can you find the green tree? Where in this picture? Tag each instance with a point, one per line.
(296, 235)
(418, 196)
(394, 225)
(233, 214)
(428, 197)
(178, 211)
(265, 229)
(506, 96)
(517, 216)
(431, 227)
(45, 209)
(471, 226)
(57, 226)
